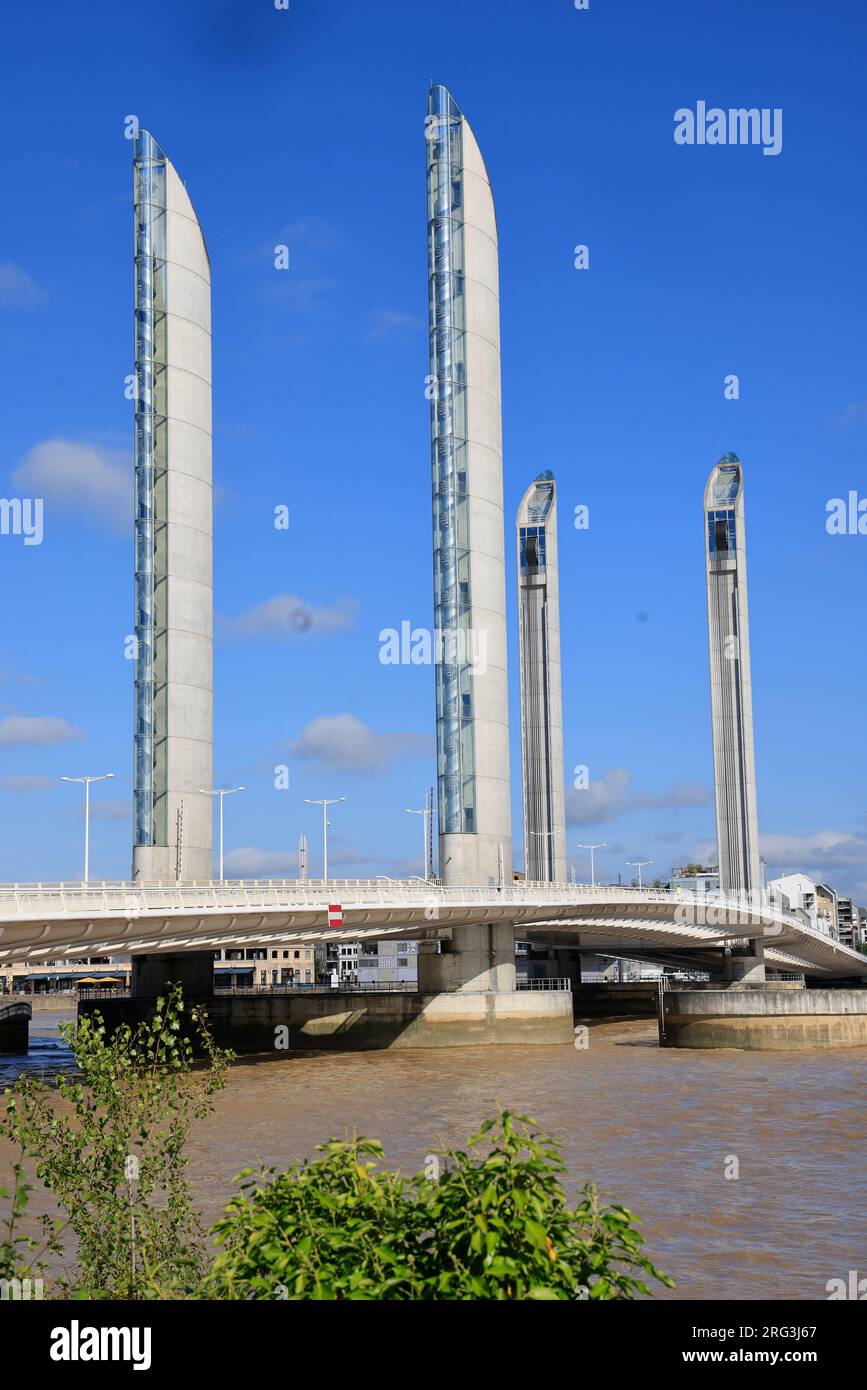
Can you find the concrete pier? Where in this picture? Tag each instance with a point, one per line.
(466, 997)
(358, 1021)
(14, 1027)
(192, 970)
(768, 1019)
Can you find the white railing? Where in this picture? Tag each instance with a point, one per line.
(105, 898)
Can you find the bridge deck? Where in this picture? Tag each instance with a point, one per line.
(74, 919)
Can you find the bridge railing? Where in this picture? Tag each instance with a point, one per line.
(245, 894)
(132, 899)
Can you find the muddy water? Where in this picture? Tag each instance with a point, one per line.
(654, 1128)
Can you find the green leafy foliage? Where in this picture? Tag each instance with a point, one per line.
(494, 1225)
(109, 1144)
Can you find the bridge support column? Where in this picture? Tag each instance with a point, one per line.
(744, 963)
(469, 995)
(477, 960)
(569, 966)
(192, 970)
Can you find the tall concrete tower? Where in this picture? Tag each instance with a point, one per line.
(173, 528)
(731, 697)
(468, 524)
(541, 685)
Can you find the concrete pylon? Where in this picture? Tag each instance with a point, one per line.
(542, 778)
(472, 700)
(173, 816)
(732, 705)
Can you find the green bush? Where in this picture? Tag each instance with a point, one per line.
(494, 1224)
(113, 1155)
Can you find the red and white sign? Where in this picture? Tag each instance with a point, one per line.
(335, 915)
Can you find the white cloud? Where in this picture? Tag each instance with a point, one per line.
(829, 856)
(392, 321)
(110, 810)
(18, 289)
(601, 801)
(249, 862)
(680, 793)
(27, 783)
(608, 797)
(825, 850)
(16, 729)
(854, 412)
(78, 477)
(301, 292)
(342, 742)
(286, 615)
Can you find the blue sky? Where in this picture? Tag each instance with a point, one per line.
(305, 127)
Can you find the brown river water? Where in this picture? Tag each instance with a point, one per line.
(656, 1129)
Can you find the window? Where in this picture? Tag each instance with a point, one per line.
(721, 531)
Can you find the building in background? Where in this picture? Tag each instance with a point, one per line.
(695, 879)
(799, 893)
(64, 976)
(286, 965)
(730, 682)
(389, 963)
(472, 711)
(173, 528)
(826, 909)
(371, 963)
(848, 922)
(541, 683)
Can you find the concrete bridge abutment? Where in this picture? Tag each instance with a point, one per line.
(470, 995)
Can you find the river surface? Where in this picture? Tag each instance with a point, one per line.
(656, 1129)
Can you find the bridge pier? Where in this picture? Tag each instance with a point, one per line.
(476, 960)
(15, 1026)
(469, 995)
(744, 962)
(192, 970)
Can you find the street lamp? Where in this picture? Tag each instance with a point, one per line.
(324, 802)
(424, 815)
(87, 781)
(638, 864)
(592, 848)
(221, 792)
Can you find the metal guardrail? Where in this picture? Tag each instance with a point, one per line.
(546, 982)
(383, 987)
